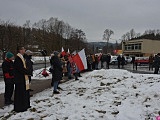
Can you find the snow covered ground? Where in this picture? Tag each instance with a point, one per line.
(99, 95)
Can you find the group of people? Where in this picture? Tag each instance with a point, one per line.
(62, 65)
(17, 72)
(94, 60)
(153, 61)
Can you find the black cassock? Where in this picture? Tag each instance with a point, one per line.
(21, 96)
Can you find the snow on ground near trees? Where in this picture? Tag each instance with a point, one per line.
(99, 95)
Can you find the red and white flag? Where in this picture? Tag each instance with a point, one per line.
(80, 60)
(68, 51)
(63, 53)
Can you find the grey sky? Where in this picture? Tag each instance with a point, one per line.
(92, 16)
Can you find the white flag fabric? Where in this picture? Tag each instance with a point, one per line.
(80, 60)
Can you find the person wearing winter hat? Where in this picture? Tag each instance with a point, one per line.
(57, 71)
(9, 55)
(8, 73)
(56, 53)
(29, 65)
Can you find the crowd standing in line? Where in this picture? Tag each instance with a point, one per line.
(19, 72)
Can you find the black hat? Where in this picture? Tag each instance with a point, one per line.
(55, 53)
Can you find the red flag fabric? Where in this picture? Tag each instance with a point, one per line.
(80, 60)
(63, 53)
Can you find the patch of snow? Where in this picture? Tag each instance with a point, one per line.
(99, 95)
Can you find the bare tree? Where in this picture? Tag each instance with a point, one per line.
(128, 36)
(106, 36)
(124, 37)
(138, 35)
(132, 33)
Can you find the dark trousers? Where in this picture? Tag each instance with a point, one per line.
(9, 87)
(101, 64)
(96, 66)
(29, 79)
(76, 76)
(156, 70)
(119, 63)
(93, 65)
(150, 66)
(135, 65)
(107, 65)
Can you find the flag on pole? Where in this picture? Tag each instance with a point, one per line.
(80, 60)
(68, 51)
(63, 53)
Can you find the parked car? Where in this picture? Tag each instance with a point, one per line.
(128, 59)
(114, 60)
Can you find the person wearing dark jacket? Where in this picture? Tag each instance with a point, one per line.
(57, 71)
(156, 63)
(96, 62)
(119, 59)
(102, 60)
(8, 74)
(21, 95)
(108, 59)
(151, 59)
(123, 61)
(133, 61)
(29, 64)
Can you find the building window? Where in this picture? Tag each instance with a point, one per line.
(131, 47)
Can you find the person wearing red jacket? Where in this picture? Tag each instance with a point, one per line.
(8, 73)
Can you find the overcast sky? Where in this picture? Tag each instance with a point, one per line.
(92, 16)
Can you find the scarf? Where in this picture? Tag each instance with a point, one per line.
(26, 76)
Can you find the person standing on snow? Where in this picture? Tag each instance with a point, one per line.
(21, 95)
(8, 74)
(119, 59)
(102, 59)
(156, 63)
(29, 64)
(56, 72)
(151, 59)
(123, 61)
(108, 59)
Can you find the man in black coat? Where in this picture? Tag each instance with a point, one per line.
(156, 63)
(119, 59)
(29, 64)
(102, 60)
(57, 71)
(108, 59)
(123, 61)
(8, 73)
(21, 96)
